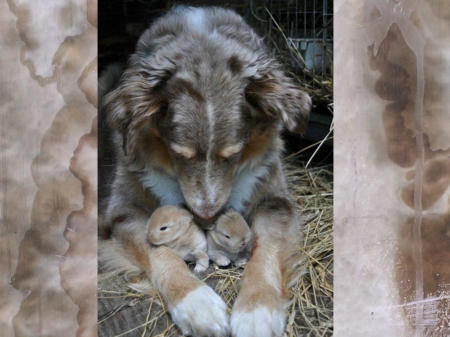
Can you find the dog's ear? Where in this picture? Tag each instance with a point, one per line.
(132, 105)
(276, 96)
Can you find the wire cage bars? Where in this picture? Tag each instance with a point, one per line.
(301, 33)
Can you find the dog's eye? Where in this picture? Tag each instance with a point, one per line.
(162, 229)
(227, 236)
(224, 159)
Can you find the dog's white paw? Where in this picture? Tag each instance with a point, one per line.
(202, 313)
(260, 322)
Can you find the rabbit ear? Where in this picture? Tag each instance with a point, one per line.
(138, 97)
(275, 96)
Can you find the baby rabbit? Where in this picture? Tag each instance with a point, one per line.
(230, 240)
(174, 227)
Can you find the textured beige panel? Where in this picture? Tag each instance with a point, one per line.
(48, 170)
(392, 168)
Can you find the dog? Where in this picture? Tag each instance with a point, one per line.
(195, 119)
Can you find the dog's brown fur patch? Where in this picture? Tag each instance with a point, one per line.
(257, 144)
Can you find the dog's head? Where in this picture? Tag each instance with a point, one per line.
(200, 108)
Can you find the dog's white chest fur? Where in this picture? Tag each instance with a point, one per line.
(165, 187)
(243, 186)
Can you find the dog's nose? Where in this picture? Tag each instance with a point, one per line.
(206, 222)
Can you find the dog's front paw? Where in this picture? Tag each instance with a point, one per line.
(258, 322)
(202, 313)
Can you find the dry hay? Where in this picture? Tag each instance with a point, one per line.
(311, 310)
(319, 84)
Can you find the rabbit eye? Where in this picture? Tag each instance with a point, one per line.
(163, 228)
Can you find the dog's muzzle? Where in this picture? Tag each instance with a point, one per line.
(206, 223)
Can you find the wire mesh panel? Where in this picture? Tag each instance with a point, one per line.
(301, 32)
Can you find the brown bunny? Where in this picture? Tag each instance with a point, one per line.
(174, 227)
(230, 240)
